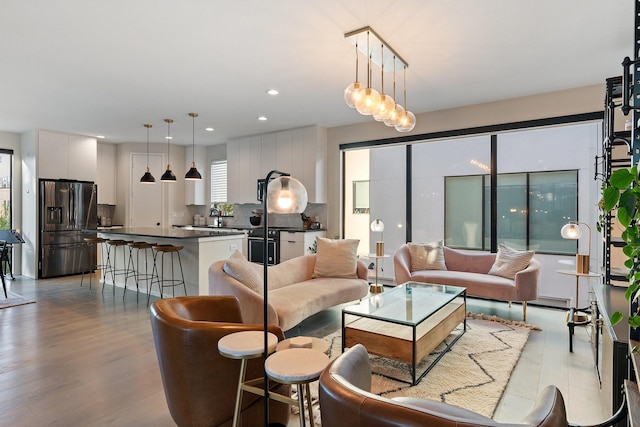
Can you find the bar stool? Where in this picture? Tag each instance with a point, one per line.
(112, 252)
(133, 268)
(159, 277)
(89, 242)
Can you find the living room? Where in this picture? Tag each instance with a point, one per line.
(578, 98)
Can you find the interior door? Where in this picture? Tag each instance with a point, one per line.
(146, 200)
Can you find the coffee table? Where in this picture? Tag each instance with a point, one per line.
(406, 323)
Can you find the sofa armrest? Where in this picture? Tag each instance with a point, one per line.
(402, 265)
(362, 271)
(251, 303)
(526, 281)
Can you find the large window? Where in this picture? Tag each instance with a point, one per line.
(531, 210)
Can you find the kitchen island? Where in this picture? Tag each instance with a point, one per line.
(201, 249)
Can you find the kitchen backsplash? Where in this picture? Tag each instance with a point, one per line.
(242, 212)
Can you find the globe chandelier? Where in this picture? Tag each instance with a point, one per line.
(367, 100)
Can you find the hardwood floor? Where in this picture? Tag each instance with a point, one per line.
(80, 357)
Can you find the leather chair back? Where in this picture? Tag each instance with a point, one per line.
(199, 383)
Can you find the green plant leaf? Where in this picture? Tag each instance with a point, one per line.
(616, 317)
(610, 196)
(634, 321)
(622, 178)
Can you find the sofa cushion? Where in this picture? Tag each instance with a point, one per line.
(477, 284)
(427, 256)
(509, 261)
(245, 272)
(336, 258)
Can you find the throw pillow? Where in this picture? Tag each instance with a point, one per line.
(427, 256)
(336, 258)
(238, 267)
(509, 261)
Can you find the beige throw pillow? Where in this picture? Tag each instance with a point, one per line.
(336, 258)
(427, 256)
(238, 267)
(509, 261)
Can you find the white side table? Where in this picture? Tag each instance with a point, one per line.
(245, 345)
(376, 288)
(575, 315)
(298, 366)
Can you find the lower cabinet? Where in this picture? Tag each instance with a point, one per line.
(297, 243)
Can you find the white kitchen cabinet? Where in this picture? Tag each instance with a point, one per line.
(297, 243)
(64, 156)
(244, 166)
(106, 174)
(195, 191)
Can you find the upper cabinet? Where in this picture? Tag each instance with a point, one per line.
(194, 191)
(301, 152)
(64, 156)
(106, 176)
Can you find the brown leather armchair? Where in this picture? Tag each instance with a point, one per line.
(199, 383)
(346, 400)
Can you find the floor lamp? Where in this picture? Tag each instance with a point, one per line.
(573, 231)
(282, 195)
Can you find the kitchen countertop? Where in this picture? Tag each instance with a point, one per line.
(249, 227)
(175, 233)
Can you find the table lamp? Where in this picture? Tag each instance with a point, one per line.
(573, 231)
(377, 226)
(281, 195)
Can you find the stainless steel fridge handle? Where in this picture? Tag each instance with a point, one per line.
(72, 206)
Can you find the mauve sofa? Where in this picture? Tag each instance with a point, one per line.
(293, 294)
(470, 270)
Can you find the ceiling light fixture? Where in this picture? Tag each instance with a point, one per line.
(272, 92)
(364, 99)
(193, 174)
(168, 175)
(147, 178)
(262, 118)
(209, 129)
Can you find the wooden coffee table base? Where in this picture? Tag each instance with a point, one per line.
(405, 343)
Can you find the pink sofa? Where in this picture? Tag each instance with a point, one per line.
(470, 270)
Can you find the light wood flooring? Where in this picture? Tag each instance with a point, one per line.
(81, 357)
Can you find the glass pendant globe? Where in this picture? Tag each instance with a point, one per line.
(351, 94)
(386, 107)
(395, 115)
(368, 101)
(286, 195)
(407, 122)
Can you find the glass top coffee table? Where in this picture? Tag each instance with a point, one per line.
(406, 323)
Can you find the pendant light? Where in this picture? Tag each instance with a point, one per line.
(147, 178)
(168, 175)
(193, 174)
(386, 105)
(368, 98)
(407, 121)
(398, 110)
(352, 91)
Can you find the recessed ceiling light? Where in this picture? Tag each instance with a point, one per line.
(262, 118)
(209, 129)
(100, 137)
(272, 92)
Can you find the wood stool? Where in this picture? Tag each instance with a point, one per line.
(133, 268)
(89, 242)
(112, 252)
(159, 277)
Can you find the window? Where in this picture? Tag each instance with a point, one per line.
(218, 181)
(531, 210)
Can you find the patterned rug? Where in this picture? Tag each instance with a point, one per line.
(472, 375)
(13, 300)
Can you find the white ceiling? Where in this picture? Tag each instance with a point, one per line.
(107, 67)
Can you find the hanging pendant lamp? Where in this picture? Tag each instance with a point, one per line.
(387, 105)
(368, 99)
(193, 174)
(168, 175)
(398, 111)
(147, 178)
(352, 91)
(407, 121)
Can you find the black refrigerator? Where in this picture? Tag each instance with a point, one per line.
(68, 214)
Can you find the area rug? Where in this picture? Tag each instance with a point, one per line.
(472, 375)
(13, 300)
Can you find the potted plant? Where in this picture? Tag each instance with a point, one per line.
(622, 195)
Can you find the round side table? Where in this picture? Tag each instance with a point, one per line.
(245, 345)
(316, 344)
(298, 366)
